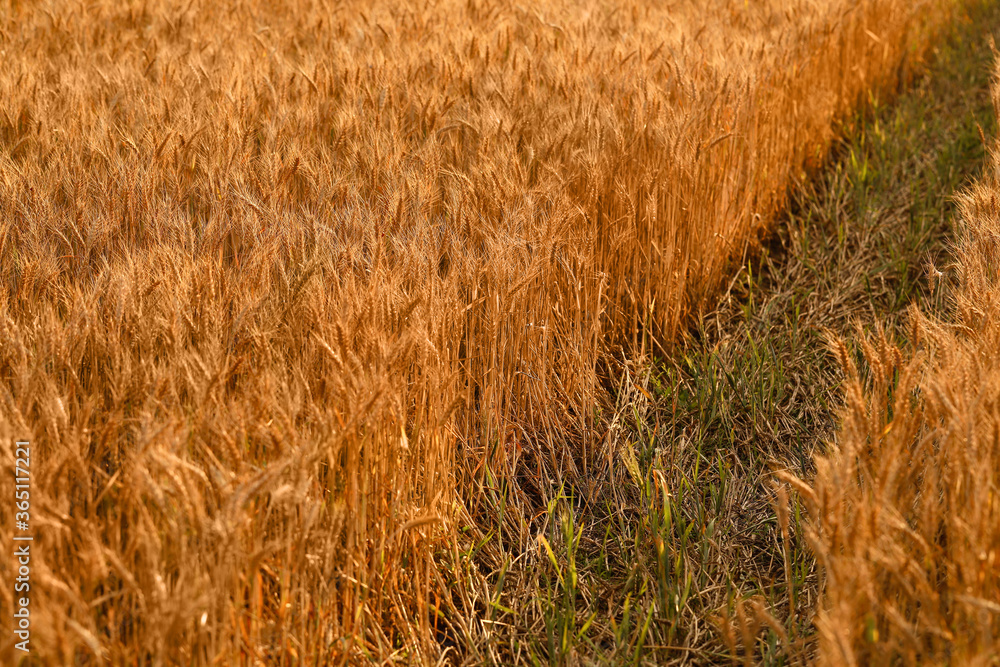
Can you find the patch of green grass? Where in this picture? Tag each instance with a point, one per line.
(679, 551)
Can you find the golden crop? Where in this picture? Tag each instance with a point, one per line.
(279, 278)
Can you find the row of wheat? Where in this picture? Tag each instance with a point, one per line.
(907, 506)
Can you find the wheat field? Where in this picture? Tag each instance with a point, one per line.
(289, 289)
